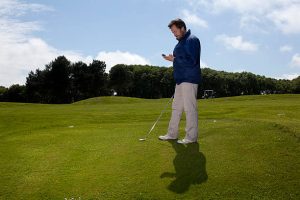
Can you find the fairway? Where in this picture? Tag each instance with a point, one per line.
(249, 148)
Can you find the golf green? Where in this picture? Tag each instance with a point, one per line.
(249, 148)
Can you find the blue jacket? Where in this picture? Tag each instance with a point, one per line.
(186, 64)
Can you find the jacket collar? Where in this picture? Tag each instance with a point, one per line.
(187, 34)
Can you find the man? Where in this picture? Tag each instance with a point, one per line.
(187, 74)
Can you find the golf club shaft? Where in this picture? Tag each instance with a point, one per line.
(159, 116)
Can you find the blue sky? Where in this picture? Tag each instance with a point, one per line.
(262, 37)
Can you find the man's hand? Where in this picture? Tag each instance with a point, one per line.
(170, 57)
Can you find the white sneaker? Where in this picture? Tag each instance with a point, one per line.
(184, 141)
(166, 137)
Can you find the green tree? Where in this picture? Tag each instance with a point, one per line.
(121, 79)
(296, 85)
(15, 93)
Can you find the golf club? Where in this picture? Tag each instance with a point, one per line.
(146, 136)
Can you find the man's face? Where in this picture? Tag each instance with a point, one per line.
(178, 32)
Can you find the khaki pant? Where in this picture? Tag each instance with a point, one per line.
(185, 99)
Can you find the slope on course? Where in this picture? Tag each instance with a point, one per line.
(249, 148)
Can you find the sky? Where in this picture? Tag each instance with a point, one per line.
(262, 37)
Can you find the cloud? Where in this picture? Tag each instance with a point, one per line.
(118, 57)
(239, 70)
(21, 52)
(295, 60)
(193, 19)
(18, 49)
(237, 43)
(18, 58)
(203, 64)
(18, 8)
(284, 14)
(287, 19)
(289, 76)
(252, 23)
(248, 19)
(240, 6)
(286, 48)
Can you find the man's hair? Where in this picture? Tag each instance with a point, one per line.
(179, 23)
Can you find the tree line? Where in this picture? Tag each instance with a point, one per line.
(64, 82)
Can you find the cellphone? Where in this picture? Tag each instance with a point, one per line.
(163, 55)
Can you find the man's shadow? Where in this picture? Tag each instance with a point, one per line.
(190, 167)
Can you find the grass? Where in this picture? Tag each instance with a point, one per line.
(249, 148)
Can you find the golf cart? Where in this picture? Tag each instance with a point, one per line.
(208, 94)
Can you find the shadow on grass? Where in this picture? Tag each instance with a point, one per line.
(190, 167)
